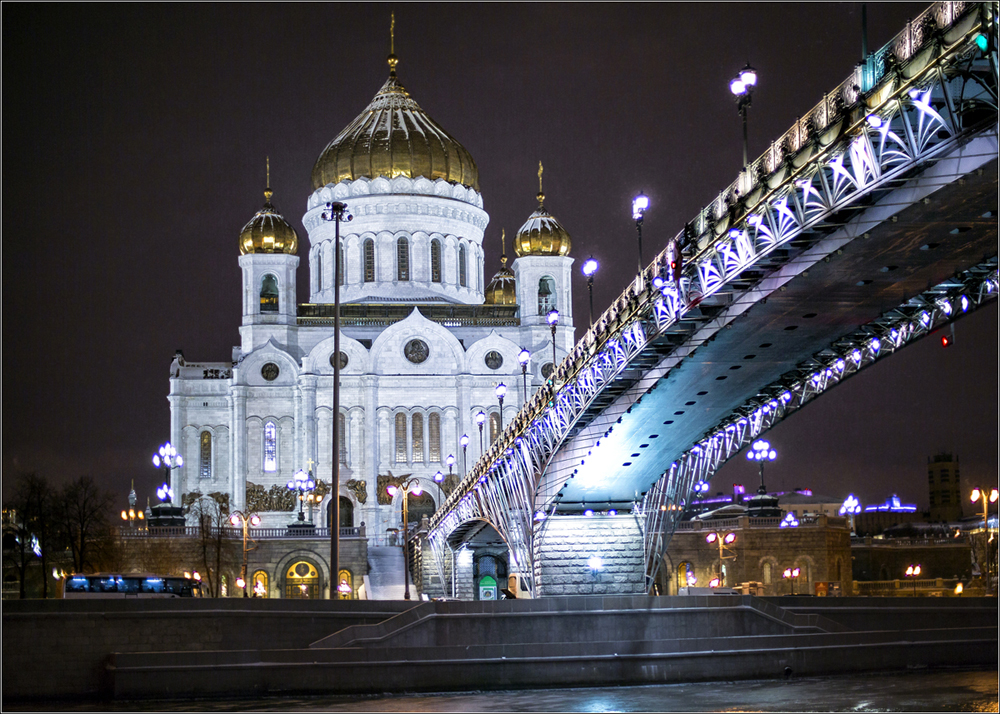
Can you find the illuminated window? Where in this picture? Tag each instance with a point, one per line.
(205, 465)
(434, 437)
(345, 586)
(685, 575)
(462, 277)
(546, 295)
(402, 259)
(369, 260)
(342, 438)
(270, 446)
(766, 573)
(259, 584)
(400, 438)
(494, 427)
(302, 581)
(418, 437)
(269, 294)
(435, 261)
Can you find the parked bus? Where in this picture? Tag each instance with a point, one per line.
(113, 585)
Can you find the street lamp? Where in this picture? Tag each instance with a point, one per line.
(524, 357)
(337, 212)
(239, 518)
(168, 459)
(480, 418)
(406, 488)
(553, 320)
(850, 507)
(301, 485)
(501, 392)
(464, 441)
(590, 267)
(762, 452)
(912, 572)
(791, 574)
(742, 86)
(979, 494)
(131, 515)
(723, 541)
(639, 205)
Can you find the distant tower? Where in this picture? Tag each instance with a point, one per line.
(943, 485)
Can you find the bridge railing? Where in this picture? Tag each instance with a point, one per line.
(252, 533)
(867, 88)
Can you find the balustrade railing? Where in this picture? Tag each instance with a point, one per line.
(745, 522)
(253, 533)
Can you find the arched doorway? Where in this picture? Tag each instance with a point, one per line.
(419, 506)
(488, 571)
(302, 581)
(346, 512)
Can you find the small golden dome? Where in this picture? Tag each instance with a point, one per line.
(268, 232)
(502, 289)
(394, 137)
(542, 234)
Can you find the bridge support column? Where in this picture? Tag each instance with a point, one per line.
(569, 546)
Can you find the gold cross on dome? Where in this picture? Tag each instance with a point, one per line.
(310, 463)
(540, 169)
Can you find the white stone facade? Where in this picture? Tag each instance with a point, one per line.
(267, 412)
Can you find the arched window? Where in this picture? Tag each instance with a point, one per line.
(319, 269)
(342, 438)
(435, 261)
(766, 573)
(340, 266)
(402, 259)
(419, 506)
(462, 272)
(269, 294)
(270, 446)
(400, 438)
(345, 585)
(418, 437)
(546, 295)
(369, 260)
(205, 465)
(434, 437)
(685, 575)
(259, 584)
(494, 427)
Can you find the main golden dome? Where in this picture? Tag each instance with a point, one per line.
(268, 232)
(394, 137)
(542, 234)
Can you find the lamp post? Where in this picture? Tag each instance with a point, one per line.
(336, 212)
(590, 267)
(553, 320)
(501, 392)
(406, 488)
(760, 453)
(239, 518)
(986, 497)
(168, 459)
(850, 507)
(791, 574)
(724, 541)
(131, 515)
(912, 572)
(300, 486)
(742, 86)
(480, 418)
(464, 441)
(639, 205)
(523, 357)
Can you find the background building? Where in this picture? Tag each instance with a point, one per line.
(944, 487)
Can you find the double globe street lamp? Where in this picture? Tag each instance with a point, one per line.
(724, 541)
(239, 518)
(409, 486)
(742, 87)
(986, 497)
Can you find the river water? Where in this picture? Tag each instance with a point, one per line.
(921, 690)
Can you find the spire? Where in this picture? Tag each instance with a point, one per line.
(392, 59)
(267, 186)
(503, 248)
(541, 196)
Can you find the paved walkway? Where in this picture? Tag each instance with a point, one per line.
(385, 574)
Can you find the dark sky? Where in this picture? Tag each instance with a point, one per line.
(134, 142)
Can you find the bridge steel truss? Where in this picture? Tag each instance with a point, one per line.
(928, 96)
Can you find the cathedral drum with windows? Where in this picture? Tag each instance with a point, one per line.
(424, 339)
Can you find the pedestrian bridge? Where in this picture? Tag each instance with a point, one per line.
(869, 224)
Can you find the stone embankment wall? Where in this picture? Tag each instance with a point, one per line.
(567, 544)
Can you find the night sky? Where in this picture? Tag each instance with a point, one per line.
(135, 139)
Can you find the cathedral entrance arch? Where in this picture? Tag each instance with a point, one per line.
(346, 512)
(419, 506)
(302, 581)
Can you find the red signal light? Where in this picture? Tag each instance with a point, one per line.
(945, 341)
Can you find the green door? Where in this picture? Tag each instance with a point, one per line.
(487, 588)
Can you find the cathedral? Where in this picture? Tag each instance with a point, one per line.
(425, 339)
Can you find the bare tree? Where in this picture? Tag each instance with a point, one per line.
(83, 516)
(216, 548)
(31, 530)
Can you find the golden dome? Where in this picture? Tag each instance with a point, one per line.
(542, 233)
(394, 137)
(268, 232)
(502, 289)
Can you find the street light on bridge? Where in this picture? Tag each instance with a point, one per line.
(742, 86)
(480, 419)
(523, 357)
(553, 320)
(501, 392)
(639, 205)
(590, 267)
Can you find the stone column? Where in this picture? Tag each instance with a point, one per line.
(371, 454)
(238, 429)
(307, 420)
(178, 418)
(465, 423)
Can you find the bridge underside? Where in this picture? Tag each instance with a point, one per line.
(613, 457)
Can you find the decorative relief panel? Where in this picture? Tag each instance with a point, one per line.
(359, 489)
(277, 498)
